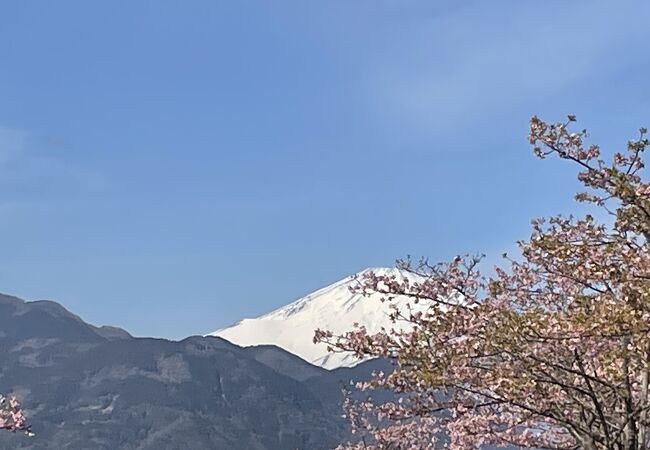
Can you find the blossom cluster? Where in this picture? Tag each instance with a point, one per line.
(552, 351)
(12, 417)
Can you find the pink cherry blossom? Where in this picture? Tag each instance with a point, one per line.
(553, 351)
(12, 417)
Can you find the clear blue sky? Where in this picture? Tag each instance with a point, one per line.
(173, 166)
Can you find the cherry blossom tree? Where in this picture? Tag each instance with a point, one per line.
(12, 417)
(552, 351)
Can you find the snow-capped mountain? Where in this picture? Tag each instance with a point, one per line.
(333, 308)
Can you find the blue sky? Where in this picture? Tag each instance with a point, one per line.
(173, 166)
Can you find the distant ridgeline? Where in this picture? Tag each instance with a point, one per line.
(85, 387)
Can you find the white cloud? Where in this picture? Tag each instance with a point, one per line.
(489, 57)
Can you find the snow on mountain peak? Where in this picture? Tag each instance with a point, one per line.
(334, 307)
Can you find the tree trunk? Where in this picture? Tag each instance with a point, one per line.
(643, 401)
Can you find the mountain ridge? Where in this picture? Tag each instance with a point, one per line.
(82, 390)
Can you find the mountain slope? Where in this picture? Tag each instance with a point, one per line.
(333, 308)
(93, 388)
(44, 319)
(83, 390)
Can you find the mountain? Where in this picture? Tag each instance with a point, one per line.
(334, 308)
(98, 388)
